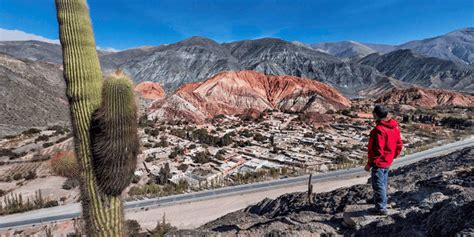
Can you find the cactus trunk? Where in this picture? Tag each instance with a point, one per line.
(103, 213)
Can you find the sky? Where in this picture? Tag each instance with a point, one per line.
(122, 24)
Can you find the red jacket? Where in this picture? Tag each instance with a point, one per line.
(385, 143)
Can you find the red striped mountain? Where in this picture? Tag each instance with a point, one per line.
(233, 93)
(150, 90)
(426, 98)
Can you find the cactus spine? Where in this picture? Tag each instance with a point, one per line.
(114, 135)
(103, 213)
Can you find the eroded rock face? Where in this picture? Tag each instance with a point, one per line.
(150, 90)
(233, 93)
(433, 197)
(426, 98)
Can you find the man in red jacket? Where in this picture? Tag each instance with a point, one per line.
(385, 144)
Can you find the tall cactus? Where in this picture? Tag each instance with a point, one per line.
(102, 210)
(114, 135)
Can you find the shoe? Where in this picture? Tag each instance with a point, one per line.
(377, 212)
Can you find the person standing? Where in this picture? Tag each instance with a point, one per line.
(385, 144)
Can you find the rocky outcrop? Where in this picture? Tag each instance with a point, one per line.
(433, 197)
(232, 93)
(426, 98)
(150, 90)
(33, 94)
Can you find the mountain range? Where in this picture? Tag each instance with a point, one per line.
(456, 46)
(192, 78)
(198, 58)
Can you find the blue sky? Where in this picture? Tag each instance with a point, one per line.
(125, 24)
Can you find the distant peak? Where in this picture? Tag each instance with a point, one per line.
(198, 40)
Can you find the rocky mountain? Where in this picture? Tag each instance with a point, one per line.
(191, 60)
(38, 51)
(407, 66)
(426, 98)
(233, 93)
(197, 58)
(150, 90)
(345, 49)
(433, 197)
(456, 46)
(33, 50)
(383, 86)
(277, 57)
(33, 95)
(381, 48)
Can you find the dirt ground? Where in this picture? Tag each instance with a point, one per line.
(195, 214)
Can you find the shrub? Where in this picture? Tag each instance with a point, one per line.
(9, 137)
(47, 144)
(31, 131)
(149, 159)
(133, 228)
(17, 176)
(183, 167)
(39, 157)
(42, 138)
(259, 137)
(70, 183)
(202, 157)
(64, 163)
(6, 152)
(52, 203)
(62, 139)
(135, 179)
(30, 175)
(147, 189)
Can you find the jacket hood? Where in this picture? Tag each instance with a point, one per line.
(391, 123)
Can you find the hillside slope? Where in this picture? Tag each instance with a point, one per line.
(433, 197)
(33, 94)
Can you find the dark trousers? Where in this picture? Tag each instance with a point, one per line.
(380, 185)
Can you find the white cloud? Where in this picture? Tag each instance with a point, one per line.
(107, 49)
(18, 35)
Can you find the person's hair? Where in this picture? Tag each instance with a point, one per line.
(381, 111)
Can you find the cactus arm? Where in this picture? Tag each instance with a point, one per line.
(103, 214)
(114, 136)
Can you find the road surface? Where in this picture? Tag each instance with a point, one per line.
(67, 212)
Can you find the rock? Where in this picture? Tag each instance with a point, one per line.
(433, 199)
(357, 216)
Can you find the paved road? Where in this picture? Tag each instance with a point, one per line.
(67, 212)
